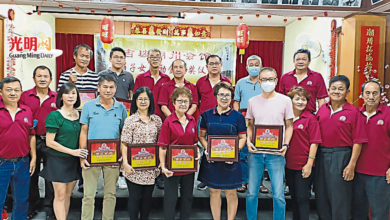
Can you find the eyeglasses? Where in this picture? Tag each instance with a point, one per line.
(118, 58)
(267, 79)
(155, 58)
(224, 95)
(186, 102)
(214, 64)
(143, 99)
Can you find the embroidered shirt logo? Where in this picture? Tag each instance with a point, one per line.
(53, 104)
(309, 83)
(25, 120)
(342, 118)
(300, 126)
(380, 122)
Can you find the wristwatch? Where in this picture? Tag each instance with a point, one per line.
(286, 145)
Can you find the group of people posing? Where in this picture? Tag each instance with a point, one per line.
(343, 150)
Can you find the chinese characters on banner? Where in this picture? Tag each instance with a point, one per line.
(193, 51)
(369, 54)
(170, 30)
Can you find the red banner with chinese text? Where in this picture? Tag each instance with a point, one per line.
(369, 55)
(170, 30)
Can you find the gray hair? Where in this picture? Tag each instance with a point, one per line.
(154, 50)
(253, 57)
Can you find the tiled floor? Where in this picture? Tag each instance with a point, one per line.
(201, 208)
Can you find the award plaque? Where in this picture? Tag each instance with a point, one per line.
(86, 96)
(104, 152)
(143, 156)
(222, 148)
(126, 103)
(181, 158)
(268, 137)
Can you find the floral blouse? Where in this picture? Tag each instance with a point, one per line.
(137, 131)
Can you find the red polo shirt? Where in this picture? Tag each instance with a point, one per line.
(172, 133)
(40, 111)
(306, 132)
(14, 135)
(313, 83)
(374, 158)
(343, 128)
(146, 79)
(165, 95)
(206, 92)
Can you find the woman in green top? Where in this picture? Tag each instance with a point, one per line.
(62, 137)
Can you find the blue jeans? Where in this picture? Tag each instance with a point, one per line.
(275, 165)
(244, 164)
(17, 174)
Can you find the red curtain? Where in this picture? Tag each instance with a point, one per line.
(66, 43)
(271, 53)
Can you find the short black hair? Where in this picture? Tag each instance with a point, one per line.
(76, 49)
(372, 81)
(65, 89)
(108, 78)
(9, 79)
(117, 49)
(340, 78)
(213, 56)
(42, 67)
(134, 107)
(224, 85)
(306, 51)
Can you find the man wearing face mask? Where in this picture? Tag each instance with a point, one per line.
(247, 88)
(269, 108)
(302, 76)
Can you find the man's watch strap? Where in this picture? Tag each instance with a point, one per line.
(286, 145)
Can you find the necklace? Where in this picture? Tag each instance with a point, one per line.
(71, 114)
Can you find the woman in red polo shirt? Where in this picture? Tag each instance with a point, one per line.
(302, 152)
(178, 129)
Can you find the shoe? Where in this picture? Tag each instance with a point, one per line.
(31, 214)
(243, 188)
(122, 183)
(81, 189)
(201, 186)
(286, 191)
(4, 215)
(263, 189)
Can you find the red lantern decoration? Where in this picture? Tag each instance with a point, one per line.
(242, 38)
(107, 30)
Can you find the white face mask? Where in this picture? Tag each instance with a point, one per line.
(268, 86)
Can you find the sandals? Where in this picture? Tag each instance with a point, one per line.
(32, 214)
(264, 189)
(243, 188)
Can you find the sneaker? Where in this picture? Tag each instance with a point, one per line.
(4, 215)
(286, 191)
(201, 186)
(122, 183)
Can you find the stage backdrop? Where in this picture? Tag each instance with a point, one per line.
(192, 51)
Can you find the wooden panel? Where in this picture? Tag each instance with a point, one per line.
(81, 26)
(387, 55)
(2, 49)
(350, 50)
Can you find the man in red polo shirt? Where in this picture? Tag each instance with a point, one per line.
(17, 143)
(179, 69)
(305, 77)
(372, 180)
(41, 101)
(205, 86)
(153, 78)
(343, 133)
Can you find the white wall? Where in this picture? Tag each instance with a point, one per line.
(316, 31)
